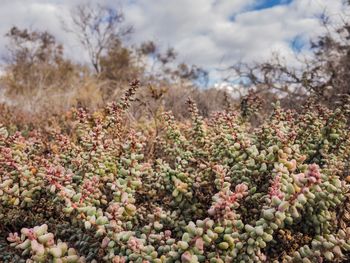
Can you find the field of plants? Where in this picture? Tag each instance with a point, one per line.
(97, 187)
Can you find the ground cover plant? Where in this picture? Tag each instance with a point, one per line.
(95, 187)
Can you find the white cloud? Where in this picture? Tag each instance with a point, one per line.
(209, 33)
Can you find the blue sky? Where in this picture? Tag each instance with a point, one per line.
(213, 34)
(263, 4)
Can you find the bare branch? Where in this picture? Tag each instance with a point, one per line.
(96, 28)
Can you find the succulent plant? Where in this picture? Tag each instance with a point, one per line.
(215, 190)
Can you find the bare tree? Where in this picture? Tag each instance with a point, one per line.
(168, 69)
(326, 75)
(97, 28)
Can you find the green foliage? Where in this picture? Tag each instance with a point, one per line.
(216, 190)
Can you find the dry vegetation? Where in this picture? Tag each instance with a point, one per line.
(98, 167)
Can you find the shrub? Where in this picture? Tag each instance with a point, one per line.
(214, 190)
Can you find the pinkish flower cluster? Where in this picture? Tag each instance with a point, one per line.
(275, 188)
(225, 202)
(313, 174)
